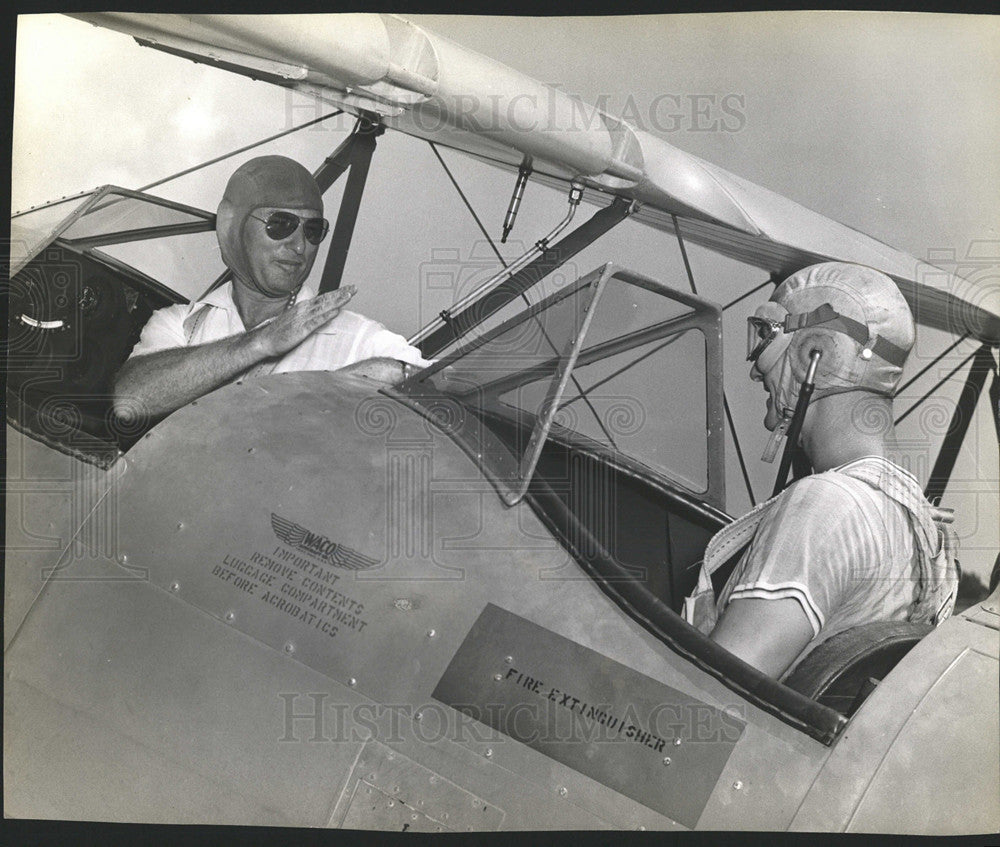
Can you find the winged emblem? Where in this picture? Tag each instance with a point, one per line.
(319, 546)
(352, 560)
(288, 531)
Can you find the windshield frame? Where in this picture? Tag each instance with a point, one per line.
(205, 222)
(510, 475)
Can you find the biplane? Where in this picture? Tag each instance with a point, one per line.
(313, 600)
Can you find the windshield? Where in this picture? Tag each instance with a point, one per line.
(104, 217)
(33, 229)
(186, 263)
(614, 361)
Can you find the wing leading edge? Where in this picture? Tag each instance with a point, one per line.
(427, 86)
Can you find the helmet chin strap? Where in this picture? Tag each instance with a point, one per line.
(793, 427)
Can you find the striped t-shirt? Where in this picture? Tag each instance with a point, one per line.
(842, 548)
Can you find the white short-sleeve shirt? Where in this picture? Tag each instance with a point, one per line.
(346, 339)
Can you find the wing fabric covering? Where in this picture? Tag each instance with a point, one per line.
(429, 87)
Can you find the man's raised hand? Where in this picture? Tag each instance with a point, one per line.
(291, 328)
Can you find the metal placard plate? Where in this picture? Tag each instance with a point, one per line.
(390, 791)
(617, 726)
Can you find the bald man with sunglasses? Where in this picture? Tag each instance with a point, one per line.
(267, 320)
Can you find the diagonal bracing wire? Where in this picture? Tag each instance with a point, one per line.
(746, 294)
(930, 365)
(240, 150)
(468, 205)
(642, 357)
(524, 296)
(937, 385)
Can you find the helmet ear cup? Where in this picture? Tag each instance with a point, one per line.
(839, 365)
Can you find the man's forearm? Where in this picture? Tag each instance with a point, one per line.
(162, 382)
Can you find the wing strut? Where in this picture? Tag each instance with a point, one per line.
(359, 147)
(539, 248)
(337, 162)
(576, 194)
(456, 325)
(983, 364)
(725, 399)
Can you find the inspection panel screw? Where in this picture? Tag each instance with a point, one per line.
(563, 792)
(677, 742)
(737, 785)
(666, 760)
(509, 660)
(176, 586)
(352, 681)
(230, 616)
(489, 752)
(431, 633)
(498, 676)
(289, 647)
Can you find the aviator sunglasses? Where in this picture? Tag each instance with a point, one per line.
(280, 225)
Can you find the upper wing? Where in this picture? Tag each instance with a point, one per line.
(427, 86)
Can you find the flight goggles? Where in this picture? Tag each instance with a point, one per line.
(762, 330)
(760, 333)
(280, 225)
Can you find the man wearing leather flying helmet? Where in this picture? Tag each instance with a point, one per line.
(856, 542)
(267, 320)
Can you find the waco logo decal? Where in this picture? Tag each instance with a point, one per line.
(319, 546)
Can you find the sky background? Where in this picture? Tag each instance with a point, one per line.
(885, 122)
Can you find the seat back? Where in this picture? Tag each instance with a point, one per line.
(844, 669)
